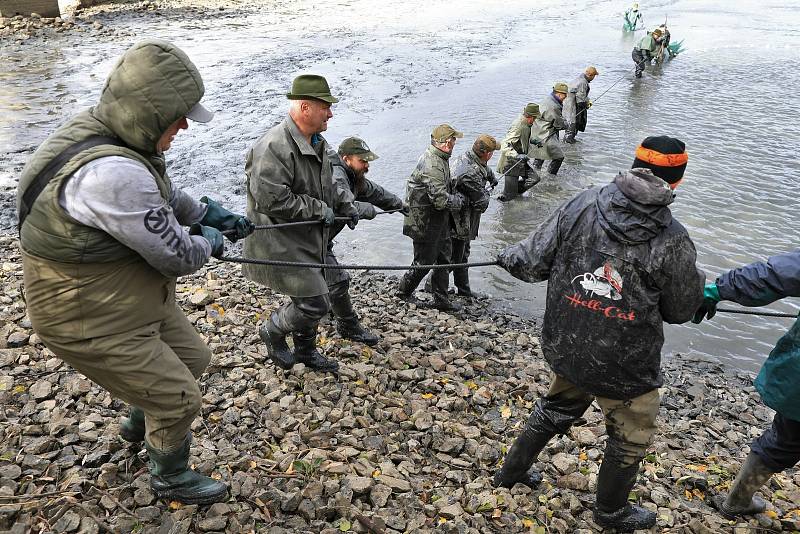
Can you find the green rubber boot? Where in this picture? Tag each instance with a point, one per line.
(171, 478)
(742, 499)
(131, 428)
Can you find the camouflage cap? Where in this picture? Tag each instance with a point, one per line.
(355, 146)
(485, 143)
(560, 87)
(531, 110)
(311, 86)
(657, 32)
(443, 132)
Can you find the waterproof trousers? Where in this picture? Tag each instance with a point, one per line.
(154, 367)
(301, 314)
(630, 424)
(579, 124)
(640, 59)
(429, 253)
(779, 446)
(460, 254)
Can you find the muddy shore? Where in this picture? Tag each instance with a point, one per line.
(406, 439)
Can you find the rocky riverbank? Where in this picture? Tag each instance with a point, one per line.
(404, 440)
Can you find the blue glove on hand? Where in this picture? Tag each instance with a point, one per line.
(218, 217)
(213, 236)
(708, 308)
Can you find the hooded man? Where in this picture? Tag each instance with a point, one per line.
(290, 178)
(514, 155)
(645, 50)
(102, 243)
(778, 448)
(617, 265)
(546, 127)
(432, 201)
(577, 104)
(350, 166)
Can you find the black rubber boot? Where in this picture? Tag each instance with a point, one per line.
(569, 138)
(350, 328)
(519, 459)
(442, 303)
(408, 283)
(742, 500)
(131, 428)
(554, 165)
(275, 340)
(537, 163)
(612, 509)
(171, 478)
(305, 351)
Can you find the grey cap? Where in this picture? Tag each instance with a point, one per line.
(199, 113)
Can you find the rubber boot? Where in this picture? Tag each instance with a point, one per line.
(408, 283)
(519, 459)
(347, 319)
(612, 509)
(305, 351)
(570, 137)
(275, 340)
(537, 163)
(554, 165)
(131, 428)
(171, 478)
(442, 303)
(741, 500)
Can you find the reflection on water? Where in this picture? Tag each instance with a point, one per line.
(411, 65)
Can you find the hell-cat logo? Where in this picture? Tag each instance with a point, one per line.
(605, 282)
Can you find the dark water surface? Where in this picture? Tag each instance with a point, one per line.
(401, 67)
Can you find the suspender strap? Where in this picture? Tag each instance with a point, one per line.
(56, 164)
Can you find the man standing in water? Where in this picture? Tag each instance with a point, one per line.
(778, 448)
(645, 50)
(617, 265)
(350, 166)
(289, 178)
(577, 104)
(102, 243)
(546, 127)
(432, 199)
(513, 163)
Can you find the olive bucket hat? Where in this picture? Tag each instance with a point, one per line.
(312, 86)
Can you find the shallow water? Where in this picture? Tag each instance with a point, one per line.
(407, 66)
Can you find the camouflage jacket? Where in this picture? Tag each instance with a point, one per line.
(470, 175)
(516, 141)
(431, 195)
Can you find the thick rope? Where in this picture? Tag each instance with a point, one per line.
(761, 313)
(303, 265)
(303, 223)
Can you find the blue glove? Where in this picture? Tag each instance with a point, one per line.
(213, 236)
(329, 217)
(218, 217)
(708, 308)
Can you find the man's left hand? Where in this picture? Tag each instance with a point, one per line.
(218, 217)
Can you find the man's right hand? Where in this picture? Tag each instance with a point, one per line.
(329, 217)
(708, 308)
(522, 157)
(213, 236)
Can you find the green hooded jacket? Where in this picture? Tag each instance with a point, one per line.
(80, 282)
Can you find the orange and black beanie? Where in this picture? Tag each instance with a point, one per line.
(665, 156)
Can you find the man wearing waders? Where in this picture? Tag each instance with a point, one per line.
(577, 104)
(544, 132)
(290, 178)
(617, 265)
(102, 243)
(778, 381)
(514, 155)
(350, 166)
(645, 50)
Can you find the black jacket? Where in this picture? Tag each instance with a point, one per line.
(618, 265)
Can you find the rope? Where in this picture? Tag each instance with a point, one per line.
(761, 313)
(302, 223)
(304, 265)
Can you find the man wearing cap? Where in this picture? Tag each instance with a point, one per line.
(102, 239)
(432, 199)
(645, 50)
(471, 175)
(514, 150)
(350, 166)
(577, 104)
(546, 127)
(618, 265)
(289, 179)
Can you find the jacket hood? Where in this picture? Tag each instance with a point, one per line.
(633, 209)
(151, 86)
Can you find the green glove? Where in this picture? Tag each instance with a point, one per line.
(708, 308)
(213, 236)
(218, 217)
(329, 217)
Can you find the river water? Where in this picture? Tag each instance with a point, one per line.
(401, 67)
